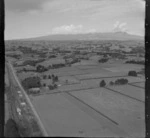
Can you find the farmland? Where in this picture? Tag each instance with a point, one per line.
(77, 105)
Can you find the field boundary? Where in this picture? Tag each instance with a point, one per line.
(136, 86)
(137, 82)
(124, 94)
(93, 108)
(65, 91)
(102, 77)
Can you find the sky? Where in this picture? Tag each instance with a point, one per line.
(33, 18)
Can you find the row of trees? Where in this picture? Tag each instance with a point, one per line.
(16, 56)
(132, 73)
(135, 62)
(103, 60)
(53, 77)
(52, 87)
(120, 81)
(41, 68)
(31, 62)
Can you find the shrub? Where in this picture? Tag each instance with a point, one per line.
(66, 81)
(55, 86)
(56, 78)
(44, 76)
(111, 83)
(41, 68)
(102, 83)
(24, 69)
(49, 76)
(132, 73)
(50, 87)
(103, 60)
(121, 81)
(53, 76)
(11, 129)
(135, 62)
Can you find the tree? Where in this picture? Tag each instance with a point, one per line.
(66, 81)
(53, 76)
(49, 76)
(24, 69)
(56, 79)
(102, 83)
(103, 60)
(111, 83)
(44, 76)
(50, 87)
(121, 81)
(41, 68)
(55, 86)
(132, 73)
(11, 129)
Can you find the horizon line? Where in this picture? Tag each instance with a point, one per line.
(71, 34)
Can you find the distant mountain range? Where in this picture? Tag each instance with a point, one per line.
(90, 36)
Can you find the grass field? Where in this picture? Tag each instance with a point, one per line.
(124, 68)
(128, 113)
(141, 84)
(135, 92)
(63, 118)
(81, 108)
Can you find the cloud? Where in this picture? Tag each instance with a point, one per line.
(33, 12)
(67, 29)
(120, 27)
(72, 29)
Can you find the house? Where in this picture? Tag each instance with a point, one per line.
(23, 104)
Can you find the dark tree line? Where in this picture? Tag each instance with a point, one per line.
(31, 82)
(102, 83)
(132, 73)
(53, 77)
(120, 81)
(30, 62)
(41, 68)
(14, 56)
(135, 62)
(103, 60)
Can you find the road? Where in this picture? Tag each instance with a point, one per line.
(14, 81)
